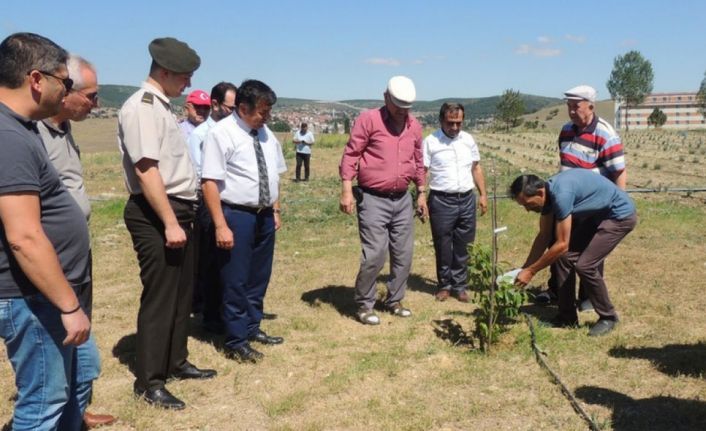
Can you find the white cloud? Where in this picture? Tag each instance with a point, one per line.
(383, 61)
(543, 39)
(537, 51)
(418, 61)
(575, 38)
(629, 42)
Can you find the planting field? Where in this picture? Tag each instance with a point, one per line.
(422, 373)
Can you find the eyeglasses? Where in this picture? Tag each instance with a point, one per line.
(68, 83)
(91, 97)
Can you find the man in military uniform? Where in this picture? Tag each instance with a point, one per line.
(159, 215)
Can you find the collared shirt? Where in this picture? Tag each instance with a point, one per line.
(186, 128)
(229, 158)
(382, 161)
(148, 129)
(25, 167)
(596, 147)
(582, 193)
(195, 143)
(307, 137)
(450, 161)
(65, 155)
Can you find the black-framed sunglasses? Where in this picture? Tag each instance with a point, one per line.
(92, 97)
(68, 83)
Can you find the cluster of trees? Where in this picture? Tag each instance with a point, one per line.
(629, 83)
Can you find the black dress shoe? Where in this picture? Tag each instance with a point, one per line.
(263, 338)
(189, 371)
(160, 397)
(244, 353)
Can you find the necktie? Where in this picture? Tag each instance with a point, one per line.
(264, 185)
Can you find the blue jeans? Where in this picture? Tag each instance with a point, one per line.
(245, 272)
(33, 333)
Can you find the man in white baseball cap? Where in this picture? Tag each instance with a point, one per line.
(384, 153)
(587, 142)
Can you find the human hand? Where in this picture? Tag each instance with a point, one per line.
(524, 277)
(175, 235)
(278, 221)
(346, 203)
(77, 327)
(483, 204)
(224, 238)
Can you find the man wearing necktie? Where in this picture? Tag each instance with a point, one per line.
(242, 162)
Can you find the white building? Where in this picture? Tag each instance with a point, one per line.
(682, 111)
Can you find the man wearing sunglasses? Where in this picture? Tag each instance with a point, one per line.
(207, 291)
(45, 247)
(159, 215)
(65, 156)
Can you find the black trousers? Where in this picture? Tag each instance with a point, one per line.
(167, 283)
(303, 158)
(208, 293)
(453, 227)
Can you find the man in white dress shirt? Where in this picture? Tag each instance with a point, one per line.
(451, 158)
(242, 162)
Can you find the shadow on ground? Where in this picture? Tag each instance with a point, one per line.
(215, 337)
(451, 330)
(339, 297)
(672, 359)
(125, 351)
(544, 313)
(656, 414)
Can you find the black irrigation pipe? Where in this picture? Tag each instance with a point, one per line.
(538, 354)
(687, 190)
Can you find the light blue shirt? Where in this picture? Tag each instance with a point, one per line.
(195, 143)
(580, 192)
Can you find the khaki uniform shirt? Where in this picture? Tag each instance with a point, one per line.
(148, 128)
(65, 156)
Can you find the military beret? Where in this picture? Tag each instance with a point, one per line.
(174, 55)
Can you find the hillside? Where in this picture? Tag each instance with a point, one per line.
(113, 96)
(604, 108)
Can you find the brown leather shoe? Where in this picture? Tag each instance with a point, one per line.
(442, 295)
(91, 420)
(462, 296)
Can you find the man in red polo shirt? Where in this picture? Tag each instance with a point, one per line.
(385, 154)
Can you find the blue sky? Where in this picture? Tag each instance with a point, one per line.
(334, 50)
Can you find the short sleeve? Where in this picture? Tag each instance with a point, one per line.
(475, 153)
(426, 154)
(20, 164)
(139, 129)
(563, 205)
(216, 150)
(281, 165)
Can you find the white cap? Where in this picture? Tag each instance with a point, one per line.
(402, 92)
(581, 92)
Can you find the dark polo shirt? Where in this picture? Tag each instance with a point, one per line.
(25, 167)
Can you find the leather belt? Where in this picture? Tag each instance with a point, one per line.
(381, 194)
(452, 195)
(252, 210)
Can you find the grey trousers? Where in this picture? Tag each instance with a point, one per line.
(584, 258)
(385, 226)
(453, 227)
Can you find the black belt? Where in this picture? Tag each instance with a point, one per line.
(381, 194)
(252, 210)
(458, 195)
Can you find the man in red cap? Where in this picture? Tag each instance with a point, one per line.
(197, 107)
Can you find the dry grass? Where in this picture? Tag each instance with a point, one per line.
(334, 373)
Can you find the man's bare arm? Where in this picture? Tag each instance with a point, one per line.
(35, 254)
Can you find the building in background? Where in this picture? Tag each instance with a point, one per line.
(681, 108)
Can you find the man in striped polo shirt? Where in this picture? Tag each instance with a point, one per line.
(587, 142)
